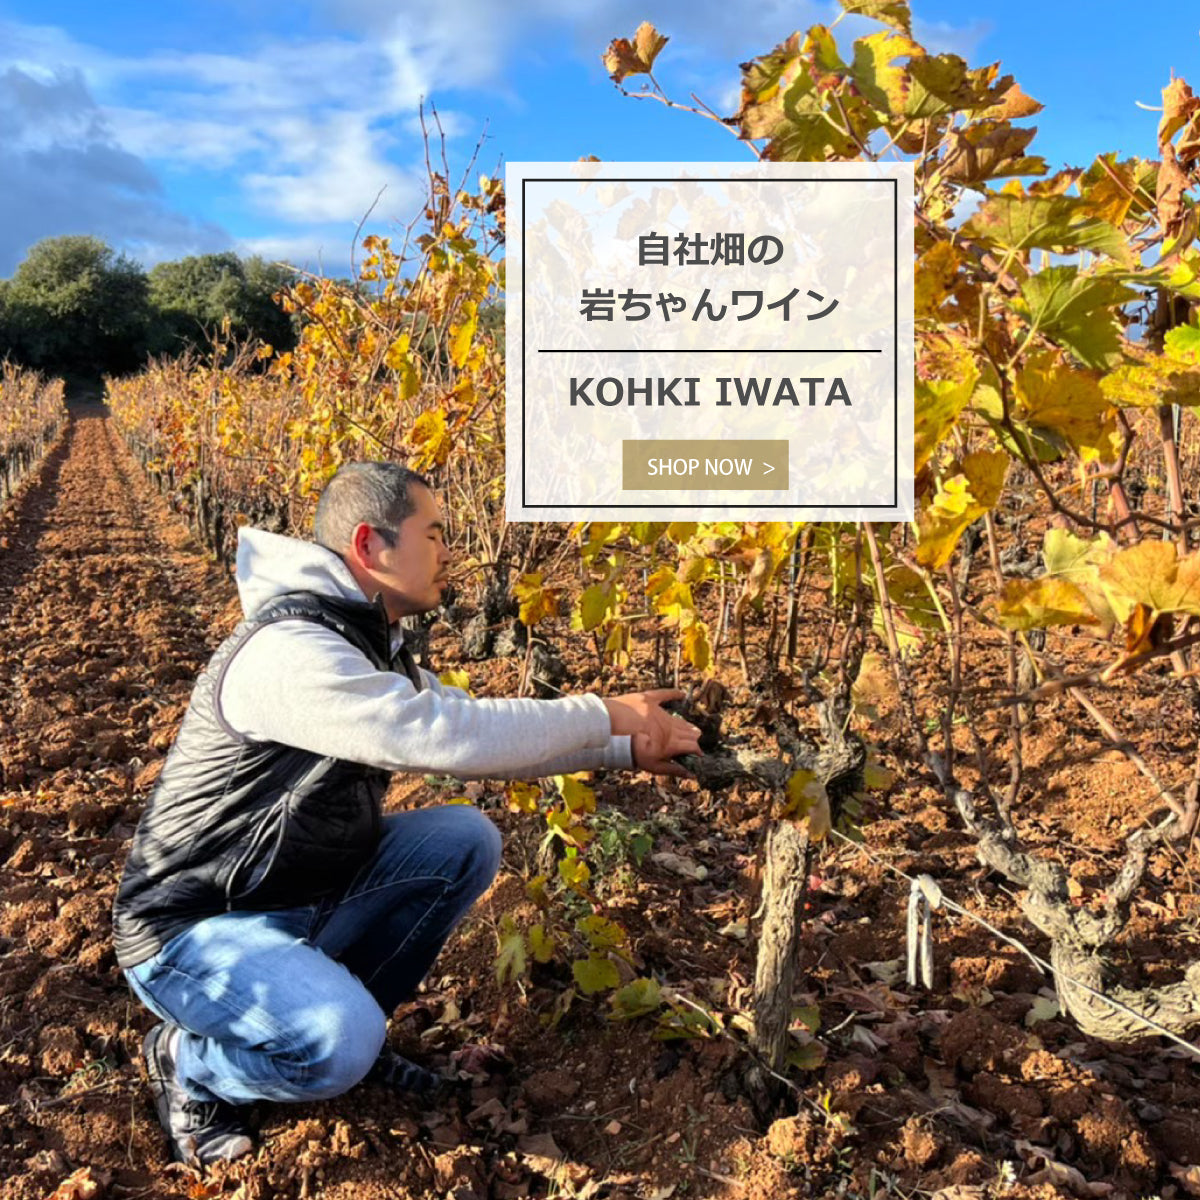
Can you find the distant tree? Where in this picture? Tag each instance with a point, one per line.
(193, 297)
(75, 306)
(491, 319)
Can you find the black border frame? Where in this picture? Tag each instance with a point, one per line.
(731, 179)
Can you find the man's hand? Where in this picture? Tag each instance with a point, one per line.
(656, 737)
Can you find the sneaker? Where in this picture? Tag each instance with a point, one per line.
(398, 1073)
(199, 1131)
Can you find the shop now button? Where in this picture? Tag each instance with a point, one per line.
(704, 465)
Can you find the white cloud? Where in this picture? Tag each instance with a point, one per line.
(332, 170)
(64, 172)
(314, 252)
(310, 130)
(304, 130)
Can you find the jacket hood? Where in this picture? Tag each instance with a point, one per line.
(270, 565)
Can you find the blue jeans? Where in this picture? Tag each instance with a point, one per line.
(292, 1004)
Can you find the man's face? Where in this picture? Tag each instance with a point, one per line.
(411, 575)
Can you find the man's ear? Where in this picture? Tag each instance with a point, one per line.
(360, 544)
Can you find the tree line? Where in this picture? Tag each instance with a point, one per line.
(74, 306)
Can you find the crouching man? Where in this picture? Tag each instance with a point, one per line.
(269, 913)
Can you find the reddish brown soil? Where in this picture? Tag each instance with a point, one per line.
(107, 610)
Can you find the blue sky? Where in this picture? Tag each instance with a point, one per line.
(267, 128)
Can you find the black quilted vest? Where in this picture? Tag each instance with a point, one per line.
(238, 824)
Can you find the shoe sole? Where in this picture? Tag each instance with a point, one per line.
(158, 1089)
(231, 1146)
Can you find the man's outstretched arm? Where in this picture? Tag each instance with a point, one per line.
(298, 683)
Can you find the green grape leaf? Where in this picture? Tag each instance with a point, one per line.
(1015, 221)
(806, 1057)
(510, 960)
(542, 944)
(808, 1015)
(595, 974)
(636, 999)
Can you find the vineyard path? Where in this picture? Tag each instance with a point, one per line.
(106, 613)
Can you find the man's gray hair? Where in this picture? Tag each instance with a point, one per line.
(378, 493)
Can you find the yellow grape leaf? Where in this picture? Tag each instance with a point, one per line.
(883, 84)
(1182, 344)
(1039, 603)
(1078, 310)
(1152, 380)
(912, 609)
(535, 889)
(1075, 558)
(463, 334)
(577, 796)
(616, 645)
(937, 405)
(696, 570)
(807, 800)
(431, 438)
(574, 872)
(636, 999)
(936, 277)
(455, 677)
(601, 933)
(523, 797)
(695, 645)
(947, 375)
(624, 57)
(681, 531)
(510, 960)
(1151, 574)
(1013, 104)
(807, 1057)
(594, 605)
(1144, 630)
(536, 600)
(646, 533)
(1109, 189)
(873, 687)
(960, 499)
(595, 974)
(561, 823)
(1179, 104)
(895, 13)
(1016, 221)
(876, 776)
(1052, 396)
(785, 95)
(647, 41)
(991, 149)
(1078, 560)
(757, 580)
(397, 355)
(541, 944)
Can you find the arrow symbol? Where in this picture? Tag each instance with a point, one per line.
(767, 468)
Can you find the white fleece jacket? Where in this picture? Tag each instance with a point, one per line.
(301, 684)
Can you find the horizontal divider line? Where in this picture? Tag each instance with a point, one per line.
(692, 350)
